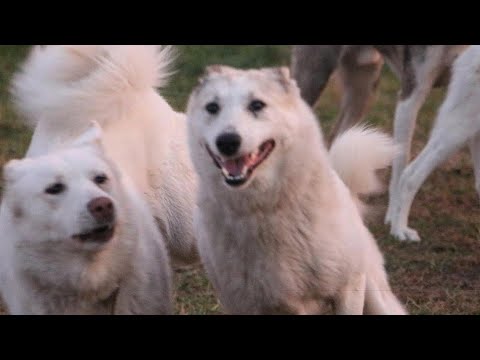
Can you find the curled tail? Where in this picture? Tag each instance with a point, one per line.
(357, 154)
(84, 80)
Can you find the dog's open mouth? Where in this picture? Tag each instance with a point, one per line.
(100, 234)
(239, 170)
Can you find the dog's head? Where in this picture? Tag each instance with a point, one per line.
(65, 198)
(238, 122)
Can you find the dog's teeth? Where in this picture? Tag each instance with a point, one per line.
(236, 177)
(225, 172)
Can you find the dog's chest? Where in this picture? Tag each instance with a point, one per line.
(264, 263)
(38, 298)
(56, 304)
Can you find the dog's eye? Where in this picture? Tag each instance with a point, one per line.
(256, 106)
(212, 108)
(100, 179)
(55, 189)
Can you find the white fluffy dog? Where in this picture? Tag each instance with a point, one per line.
(457, 124)
(279, 232)
(61, 88)
(77, 238)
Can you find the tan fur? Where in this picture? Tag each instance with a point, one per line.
(291, 240)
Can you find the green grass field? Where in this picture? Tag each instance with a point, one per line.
(440, 275)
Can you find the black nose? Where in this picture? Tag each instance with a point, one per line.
(101, 209)
(229, 143)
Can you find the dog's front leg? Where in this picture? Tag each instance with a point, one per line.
(417, 82)
(351, 299)
(440, 146)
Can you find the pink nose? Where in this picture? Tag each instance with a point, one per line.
(102, 209)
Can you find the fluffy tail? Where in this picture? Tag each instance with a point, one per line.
(357, 154)
(86, 79)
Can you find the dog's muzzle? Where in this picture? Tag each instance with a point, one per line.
(237, 171)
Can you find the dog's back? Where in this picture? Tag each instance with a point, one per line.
(60, 89)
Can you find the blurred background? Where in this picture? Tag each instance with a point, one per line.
(440, 275)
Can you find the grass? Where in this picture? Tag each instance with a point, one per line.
(440, 275)
(14, 137)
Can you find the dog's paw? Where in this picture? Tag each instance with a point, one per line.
(405, 234)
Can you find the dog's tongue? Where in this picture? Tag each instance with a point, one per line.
(235, 167)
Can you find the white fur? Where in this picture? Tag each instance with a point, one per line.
(61, 88)
(79, 75)
(46, 270)
(291, 240)
(457, 124)
(358, 153)
(407, 109)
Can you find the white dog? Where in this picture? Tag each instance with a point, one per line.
(61, 88)
(278, 231)
(457, 124)
(77, 238)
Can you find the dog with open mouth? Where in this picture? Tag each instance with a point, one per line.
(78, 239)
(278, 223)
(237, 171)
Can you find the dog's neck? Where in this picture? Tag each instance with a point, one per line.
(59, 267)
(46, 300)
(73, 280)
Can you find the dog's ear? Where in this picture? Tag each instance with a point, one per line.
(218, 69)
(283, 77)
(92, 136)
(211, 70)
